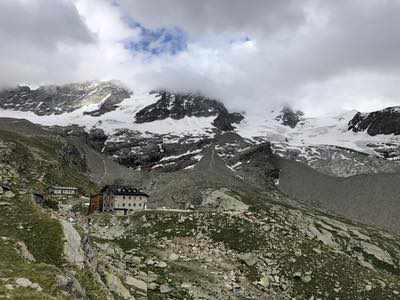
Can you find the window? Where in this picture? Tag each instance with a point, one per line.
(140, 204)
(123, 204)
(134, 204)
(129, 204)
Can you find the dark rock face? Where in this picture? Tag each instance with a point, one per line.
(97, 138)
(116, 96)
(289, 117)
(48, 100)
(385, 121)
(178, 106)
(68, 131)
(224, 121)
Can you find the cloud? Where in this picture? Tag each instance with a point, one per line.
(222, 16)
(316, 55)
(34, 36)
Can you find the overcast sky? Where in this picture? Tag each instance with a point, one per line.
(316, 55)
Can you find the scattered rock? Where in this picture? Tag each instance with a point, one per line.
(136, 283)
(264, 281)
(186, 285)
(297, 275)
(266, 227)
(368, 287)
(71, 285)
(136, 260)
(115, 285)
(377, 252)
(152, 286)
(36, 286)
(222, 200)
(249, 259)
(161, 264)
(23, 282)
(165, 289)
(9, 194)
(24, 252)
(173, 257)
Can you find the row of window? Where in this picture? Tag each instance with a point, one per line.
(123, 205)
(66, 192)
(131, 197)
(134, 204)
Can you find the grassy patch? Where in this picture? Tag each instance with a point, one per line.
(42, 235)
(14, 266)
(93, 289)
(237, 234)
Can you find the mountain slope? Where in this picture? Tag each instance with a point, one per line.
(371, 199)
(226, 231)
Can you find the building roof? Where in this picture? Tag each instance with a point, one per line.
(63, 188)
(123, 190)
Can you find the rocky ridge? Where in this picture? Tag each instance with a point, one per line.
(47, 100)
(384, 121)
(177, 106)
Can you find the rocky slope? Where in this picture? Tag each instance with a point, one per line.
(276, 252)
(227, 232)
(371, 199)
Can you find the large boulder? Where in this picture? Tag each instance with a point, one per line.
(73, 252)
(115, 285)
(136, 283)
(71, 285)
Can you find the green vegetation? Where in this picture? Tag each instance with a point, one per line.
(42, 235)
(41, 163)
(92, 288)
(12, 266)
(237, 234)
(50, 203)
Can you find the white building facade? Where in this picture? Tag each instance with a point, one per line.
(123, 200)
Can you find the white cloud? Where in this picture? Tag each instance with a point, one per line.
(316, 55)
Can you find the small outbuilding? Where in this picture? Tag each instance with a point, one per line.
(38, 198)
(62, 192)
(96, 203)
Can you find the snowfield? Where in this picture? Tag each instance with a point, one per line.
(324, 130)
(122, 117)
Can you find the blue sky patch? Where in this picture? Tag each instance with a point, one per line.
(158, 41)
